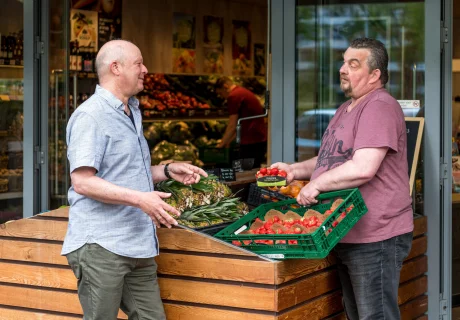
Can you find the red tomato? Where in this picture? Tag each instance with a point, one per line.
(328, 212)
(274, 171)
(349, 208)
(282, 173)
(280, 241)
(335, 223)
(269, 242)
(263, 170)
(297, 230)
(269, 172)
(236, 243)
(276, 219)
(343, 215)
(292, 241)
(279, 231)
(262, 231)
(268, 225)
(247, 242)
(270, 231)
(318, 224)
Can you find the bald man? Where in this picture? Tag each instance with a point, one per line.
(111, 238)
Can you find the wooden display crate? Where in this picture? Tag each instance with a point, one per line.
(200, 278)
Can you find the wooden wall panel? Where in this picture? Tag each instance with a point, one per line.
(33, 228)
(414, 308)
(149, 24)
(307, 289)
(412, 289)
(23, 250)
(317, 309)
(288, 270)
(15, 314)
(414, 268)
(190, 312)
(238, 295)
(216, 268)
(419, 247)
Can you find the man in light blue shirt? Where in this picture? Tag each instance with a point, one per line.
(111, 239)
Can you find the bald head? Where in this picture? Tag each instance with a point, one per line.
(111, 51)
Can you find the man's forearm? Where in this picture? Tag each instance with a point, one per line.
(303, 170)
(98, 189)
(229, 134)
(348, 175)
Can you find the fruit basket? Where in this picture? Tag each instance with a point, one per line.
(336, 213)
(258, 195)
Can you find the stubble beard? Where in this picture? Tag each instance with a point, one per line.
(347, 90)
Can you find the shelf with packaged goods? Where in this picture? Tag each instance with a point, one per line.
(185, 115)
(10, 195)
(11, 66)
(6, 97)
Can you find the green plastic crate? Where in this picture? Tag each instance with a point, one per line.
(316, 245)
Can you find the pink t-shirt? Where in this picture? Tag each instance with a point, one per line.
(377, 121)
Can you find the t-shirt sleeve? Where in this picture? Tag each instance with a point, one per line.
(234, 103)
(378, 126)
(85, 142)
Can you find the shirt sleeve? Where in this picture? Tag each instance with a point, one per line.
(85, 142)
(378, 126)
(234, 104)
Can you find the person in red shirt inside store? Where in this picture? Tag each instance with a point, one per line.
(242, 103)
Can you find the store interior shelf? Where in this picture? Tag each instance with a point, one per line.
(6, 97)
(11, 66)
(184, 119)
(10, 195)
(455, 198)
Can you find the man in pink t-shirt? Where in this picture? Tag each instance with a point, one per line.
(365, 146)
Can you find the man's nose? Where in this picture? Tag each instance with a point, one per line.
(343, 69)
(145, 69)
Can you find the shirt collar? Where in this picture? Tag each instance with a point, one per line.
(113, 101)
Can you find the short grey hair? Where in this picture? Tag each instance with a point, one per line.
(109, 53)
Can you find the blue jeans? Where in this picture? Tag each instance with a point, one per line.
(369, 274)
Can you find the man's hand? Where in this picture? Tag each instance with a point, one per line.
(286, 167)
(153, 205)
(186, 173)
(308, 194)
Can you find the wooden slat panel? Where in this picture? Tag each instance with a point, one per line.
(412, 289)
(185, 240)
(419, 247)
(176, 311)
(216, 268)
(14, 314)
(414, 308)
(23, 250)
(58, 213)
(341, 316)
(317, 309)
(34, 229)
(414, 268)
(420, 226)
(229, 295)
(41, 299)
(307, 289)
(291, 269)
(39, 276)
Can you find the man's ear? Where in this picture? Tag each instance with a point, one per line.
(115, 68)
(375, 76)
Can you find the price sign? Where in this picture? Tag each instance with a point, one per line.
(227, 174)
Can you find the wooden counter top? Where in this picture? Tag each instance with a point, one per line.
(244, 177)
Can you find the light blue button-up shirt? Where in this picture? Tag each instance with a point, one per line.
(100, 135)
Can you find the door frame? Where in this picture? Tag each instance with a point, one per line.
(32, 58)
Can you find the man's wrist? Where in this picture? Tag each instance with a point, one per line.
(166, 171)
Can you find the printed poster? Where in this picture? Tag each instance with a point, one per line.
(259, 59)
(241, 48)
(183, 60)
(83, 27)
(109, 17)
(184, 33)
(213, 48)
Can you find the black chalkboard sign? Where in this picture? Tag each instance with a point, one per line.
(414, 127)
(223, 174)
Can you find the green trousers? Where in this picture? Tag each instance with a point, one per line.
(107, 282)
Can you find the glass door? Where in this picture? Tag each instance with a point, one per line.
(11, 110)
(55, 117)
